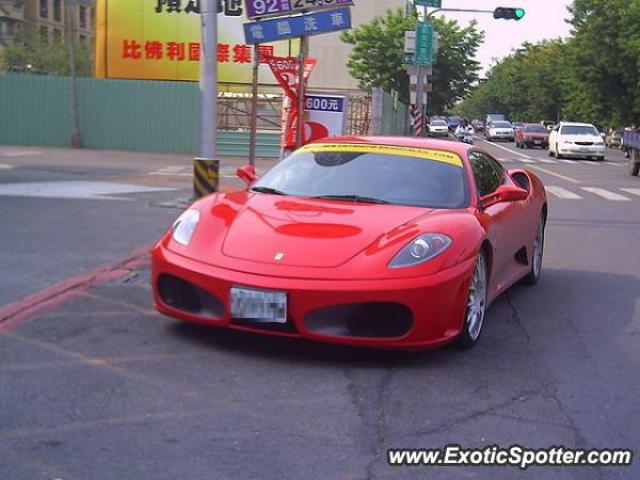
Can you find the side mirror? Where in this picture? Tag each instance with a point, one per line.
(504, 193)
(247, 174)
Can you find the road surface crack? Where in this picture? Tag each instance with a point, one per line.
(515, 316)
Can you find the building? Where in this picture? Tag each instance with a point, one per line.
(45, 17)
(11, 21)
(332, 53)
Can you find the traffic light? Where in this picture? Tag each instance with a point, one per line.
(508, 13)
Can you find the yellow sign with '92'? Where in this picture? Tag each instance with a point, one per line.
(160, 40)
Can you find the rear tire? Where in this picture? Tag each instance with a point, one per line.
(537, 253)
(476, 304)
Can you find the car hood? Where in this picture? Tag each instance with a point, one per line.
(300, 232)
(581, 138)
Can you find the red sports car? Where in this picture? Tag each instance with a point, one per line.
(371, 241)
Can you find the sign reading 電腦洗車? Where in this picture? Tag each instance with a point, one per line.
(268, 8)
(315, 23)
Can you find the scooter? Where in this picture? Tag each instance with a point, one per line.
(466, 137)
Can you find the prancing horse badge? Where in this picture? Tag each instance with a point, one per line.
(278, 257)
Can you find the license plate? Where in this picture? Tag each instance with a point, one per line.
(265, 306)
(538, 142)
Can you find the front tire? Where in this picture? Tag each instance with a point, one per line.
(536, 255)
(476, 304)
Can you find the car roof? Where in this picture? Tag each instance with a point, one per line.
(415, 142)
(576, 124)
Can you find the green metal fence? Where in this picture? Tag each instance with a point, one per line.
(149, 116)
(395, 116)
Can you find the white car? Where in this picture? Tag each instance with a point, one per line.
(438, 128)
(500, 130)
(579, 140)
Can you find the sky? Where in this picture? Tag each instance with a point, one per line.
(544, 19)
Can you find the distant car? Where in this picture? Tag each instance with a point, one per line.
(517, 125)
(532, 135)
(578, 140)
(453, 122)
(438, 128)
(614, 139)
(367, 241)
(478, 125)
(499, 130)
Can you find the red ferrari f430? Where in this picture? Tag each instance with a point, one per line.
(370, 241)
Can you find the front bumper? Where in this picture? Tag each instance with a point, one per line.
(581, 152)
(436, 303)
(439, 133)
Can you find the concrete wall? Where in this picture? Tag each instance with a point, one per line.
(332, 53)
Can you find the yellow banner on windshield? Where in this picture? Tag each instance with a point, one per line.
(424, 153)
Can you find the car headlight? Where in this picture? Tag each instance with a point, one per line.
(183, 228)
(567, 142)
(599, 144)
(420, 249)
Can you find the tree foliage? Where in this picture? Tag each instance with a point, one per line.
(592, 76)
(378, 55)
(47, 58)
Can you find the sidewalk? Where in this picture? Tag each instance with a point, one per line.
(164, 169)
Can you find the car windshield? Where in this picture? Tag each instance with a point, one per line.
(501, 125)
(535, 129)
(439, 123)
(578, 130)
(371, 173)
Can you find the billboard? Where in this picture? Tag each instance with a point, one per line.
(160, 40)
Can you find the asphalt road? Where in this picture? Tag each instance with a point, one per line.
(95, 385)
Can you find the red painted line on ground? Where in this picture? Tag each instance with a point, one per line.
(18, 313)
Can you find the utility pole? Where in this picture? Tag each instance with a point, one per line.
(206, 167)
(70, 31)
(302, 56)
(254, 106)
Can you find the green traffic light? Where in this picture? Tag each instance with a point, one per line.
(519, 13)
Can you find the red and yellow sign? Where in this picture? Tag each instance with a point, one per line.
(160, 40)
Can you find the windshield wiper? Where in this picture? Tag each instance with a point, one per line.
(272, 191)
(353, 198)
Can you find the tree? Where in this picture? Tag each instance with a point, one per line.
(35, 55)
(594, 76)
(378, 57)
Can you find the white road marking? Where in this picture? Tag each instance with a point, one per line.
(546, 160)
(632, 191)
(173, 174)
(5, 167)
(20, 153)
(507, 160)
(526, 160)
(564, 160)
(613, 163)
(554, 174)
(563, 193)
(508, 149)
(613, 196)
(75, 190)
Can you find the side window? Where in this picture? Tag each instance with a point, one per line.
(500, 171)
(486, 176)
